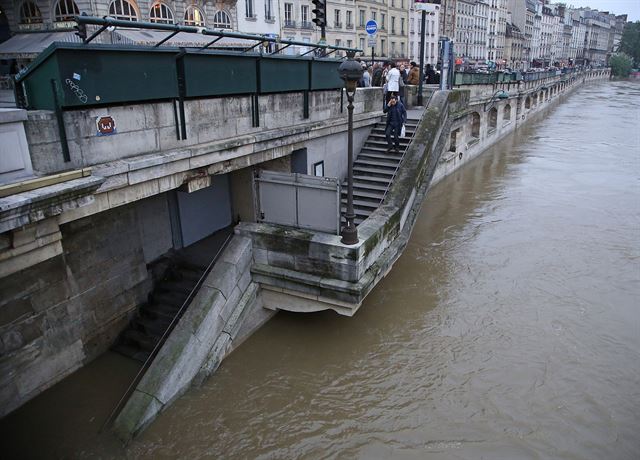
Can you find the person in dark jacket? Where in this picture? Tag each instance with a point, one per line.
(430, 75)
(396, 117)
(376, 78)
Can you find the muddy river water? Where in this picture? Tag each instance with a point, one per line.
(509, 328)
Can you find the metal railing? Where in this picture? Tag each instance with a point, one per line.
(145, 366)
(395, 171)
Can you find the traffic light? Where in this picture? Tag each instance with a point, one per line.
(320, 12)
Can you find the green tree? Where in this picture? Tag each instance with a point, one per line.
(630, 41)
(621, 65)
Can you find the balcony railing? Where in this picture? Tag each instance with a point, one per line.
(306, 25)
(289, 24)
(337, 25)
(349, 25)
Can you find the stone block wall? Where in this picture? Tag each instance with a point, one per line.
(151, 127)
(59, 314)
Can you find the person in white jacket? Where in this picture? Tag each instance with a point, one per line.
(393, 81)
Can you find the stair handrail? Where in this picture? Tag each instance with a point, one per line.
(395, 171)
(156, 348)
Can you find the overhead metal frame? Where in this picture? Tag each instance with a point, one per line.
(106, 22)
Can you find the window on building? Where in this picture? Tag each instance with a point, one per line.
(382, 18)
(65, 10)
(393, 25)
(361, 15)
(382, 46)
(349, 18)
(123, 10)
(401, 26)
(193, 16)
(402, 54)
(507, 113)
(249, 9)
(288, 14)
(362, 43)
(337, 23)
(161, 14)
(30, 13)
(493, 119)
(373, 15)
(268, 9)
(453, 140)
(475, 125)
(349, 44)
(221, 20)
(527, 103)
(304, 13)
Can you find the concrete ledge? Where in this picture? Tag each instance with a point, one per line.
(35, 205)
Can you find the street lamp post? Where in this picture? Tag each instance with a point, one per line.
(350, 71)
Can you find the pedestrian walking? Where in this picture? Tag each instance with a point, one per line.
(396, 118)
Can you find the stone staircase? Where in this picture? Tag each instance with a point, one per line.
(374, 170)
(155, 316)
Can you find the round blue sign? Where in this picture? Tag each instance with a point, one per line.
(371, 27)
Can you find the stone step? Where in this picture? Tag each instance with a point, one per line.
(373, 171)
(391, 158)
(367, 162)
(140, 339)
(168, 297)
(359, 212)
(152, 326)
(409, 132)
(182, 286)
(357, 185)
(132, 351)
(381, 139)
(373, 179)
(360, 204)
(372, 195)
(162, 311)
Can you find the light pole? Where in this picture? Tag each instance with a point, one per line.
(350, 71)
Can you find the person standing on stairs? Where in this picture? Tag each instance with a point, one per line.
(396, 117)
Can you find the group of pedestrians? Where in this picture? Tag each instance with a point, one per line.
(393, 79)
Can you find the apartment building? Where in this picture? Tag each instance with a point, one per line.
(431, 37)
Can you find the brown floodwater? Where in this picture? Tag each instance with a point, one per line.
(508, 329)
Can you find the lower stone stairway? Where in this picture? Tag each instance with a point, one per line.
(155, 316)
(374, 170)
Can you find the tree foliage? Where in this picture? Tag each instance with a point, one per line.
(621, 65)
(630, 41)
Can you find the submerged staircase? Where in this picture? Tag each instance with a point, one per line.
(374, 170)
(155, 316)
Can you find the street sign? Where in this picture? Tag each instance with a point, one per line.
(372, 41)
(371, 27)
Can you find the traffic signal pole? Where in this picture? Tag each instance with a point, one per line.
(320, 19)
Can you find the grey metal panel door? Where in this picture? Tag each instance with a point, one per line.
(299, 200)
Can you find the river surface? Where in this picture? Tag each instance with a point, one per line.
(509, 328)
